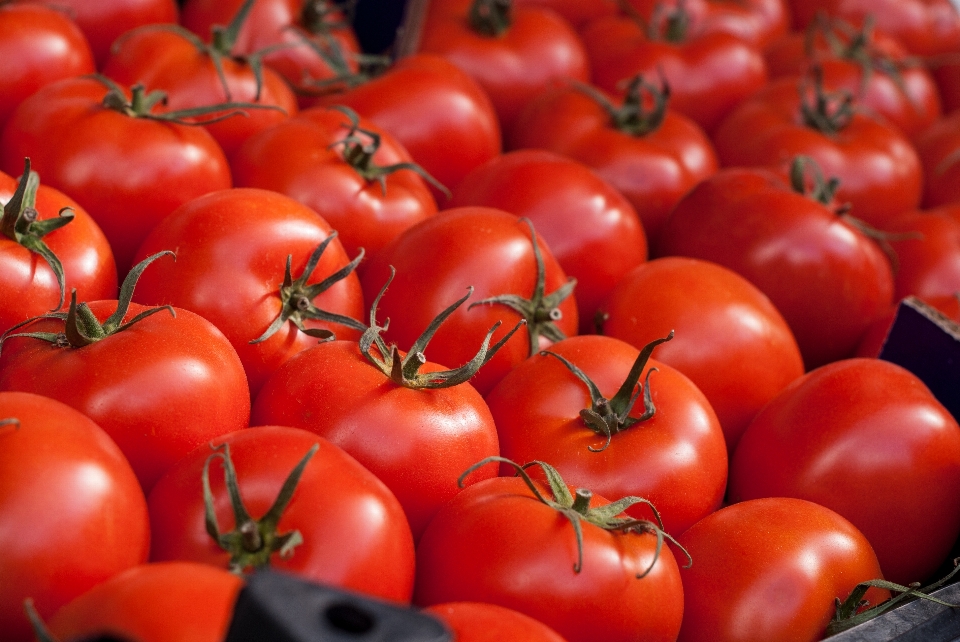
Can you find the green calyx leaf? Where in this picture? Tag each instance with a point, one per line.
(669, 24)
(359, 147)
(40, 629)
(576, 508)
(850, 612)
(404, 370)
(81, 326)
(634, 117)
(19, 223)
(607, 417)
(826, 112)
(297, 297)
(252, 542)
(807, 178)
(491, 18)
(541, 311)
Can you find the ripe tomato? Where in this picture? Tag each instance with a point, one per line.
(876, 334)
(675, 458)
(708, 73)
(591, 228)
(770, 569)
(231, 249)
(187, 602)
(512, 50)
(652, 155)
(128, 171)
(480, 622)
(878, 169)
(38, 45)
(939, 150)
(927, 244)
(317, 41)
(72, 514)
(104, 21)
(414, 440)
(194, 75)
(576, 12)
(824, 275)
(357, 176)
(758, 22)
(860, 436)
(159, 387)
(925, 27)
(439, 113)
(499, 542)
(491, 251)
(353, 530)
(31, 286)
(730, 340)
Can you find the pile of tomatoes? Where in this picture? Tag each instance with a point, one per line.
(559, 320)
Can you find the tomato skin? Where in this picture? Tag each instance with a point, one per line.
(929, 252)
(72, 514)
(480, 622)
(159, 388)
(29, 285)
(708, 73)
(128, 173)
(879, 171)
(730, 340)
(303, 159)
(770, 569)
(355, 535)
(496, 543)
(577, 13)
(232, 247)
(104, 21)
(677, 459)
(165, 60)
(189, 602)
(827, 279)
(416, 441)
(438, 112)
(591, 228)
(38, 45)
(876, 335)
(438, 259)
(757, 22)
(653, 170)
(939, 150)
(274, 22)
(537, 48)
(860, 436)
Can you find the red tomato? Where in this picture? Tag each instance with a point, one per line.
(38, 45)
(652, 155)
(159, 387)
(925, 27)
(232, 247)
(30, 284)
(72, 514)
(878, 169)
(355, 535)
(758, 22)
(708, 73)
(730, 340)
(927, 244)
(357, 176)
(860, 436)
(576, 12)
(827, 278)
(103, 21)
(497, 542)
(415, 440)
(871, 66)
(512, 50)
(164, 602)
(676, 458)
(127, 171)
(193, 75)
(770, 569)
(318, 42)
(480, 622)
(946, 73)
(438, 112)
(591, 228)
(939, 150)
(491, 251)
(876, 334)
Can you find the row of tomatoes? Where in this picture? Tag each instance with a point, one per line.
(258, 279)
